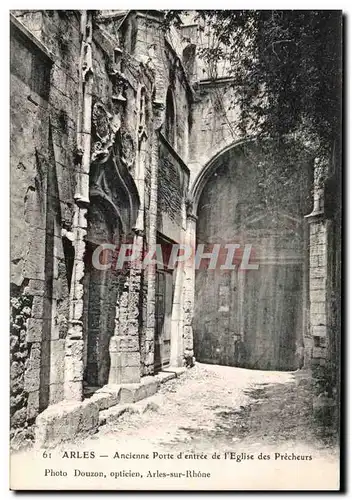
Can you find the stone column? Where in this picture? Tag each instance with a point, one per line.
(74, 345)
(188, 292)
(316, 351)
(177, 319)
(141, 159)
(124, 345)
(158, 109)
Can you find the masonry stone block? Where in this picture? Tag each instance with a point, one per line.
(37, 308)
(129, 344)
(57, 361)
(149, 358)
(35, 287)
(128, 359)
(319, 352)
(317, 272)
(32, 405)
(64, 422)
(319, 331)
(317, 296)
(57, 392)
(131, 393)
(318, 307)
(105, 400)
(34, 358)
(32, 380)
(34, 330)
(73, 390)
(318, 319)
(73, 369)
(129, 374)
(128, 393)
(317, 283)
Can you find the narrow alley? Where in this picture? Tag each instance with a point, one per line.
(214, 407)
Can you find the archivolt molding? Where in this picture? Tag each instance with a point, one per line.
(210, 166)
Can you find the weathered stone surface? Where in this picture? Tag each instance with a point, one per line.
(57, 392)
(32, 405)
(318, 307)
(163, 377)
(37, 308)
(105, 400)
(19, 417)
(112, 415)
(34, 358)
(34, 330)
(177, 370)
(57, 361)
(64, 421)
(32, 380)
(319, 352)
(130, 393)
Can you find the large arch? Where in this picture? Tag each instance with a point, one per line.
(254, 317)
(205, 172)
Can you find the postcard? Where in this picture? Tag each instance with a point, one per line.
(175, 282)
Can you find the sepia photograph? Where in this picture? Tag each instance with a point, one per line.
(175, 249)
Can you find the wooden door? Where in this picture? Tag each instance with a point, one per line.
(292, 322)
(163, 309)
(272, 312)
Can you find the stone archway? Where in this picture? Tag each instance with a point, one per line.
(252, 317)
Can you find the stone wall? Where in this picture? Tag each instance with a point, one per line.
(43, 114)
(172, 187)
(214, 124)
(133, 67)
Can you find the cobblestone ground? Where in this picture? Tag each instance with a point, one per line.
(215, 407)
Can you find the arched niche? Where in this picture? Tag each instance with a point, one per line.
(170, 119)
(112, 214)
(101, 291)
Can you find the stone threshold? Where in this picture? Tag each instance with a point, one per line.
(64, 421)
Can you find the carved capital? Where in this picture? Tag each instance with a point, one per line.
(320, 174)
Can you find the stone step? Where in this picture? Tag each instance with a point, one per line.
(137, 398)
(112, 414)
